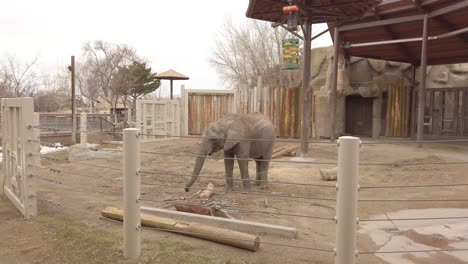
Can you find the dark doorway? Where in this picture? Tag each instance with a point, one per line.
(358, 116)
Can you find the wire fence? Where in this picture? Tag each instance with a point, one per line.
(165, 175)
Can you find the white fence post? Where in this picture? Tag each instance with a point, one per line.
(347, 199)
(131, 193)
(83, 128)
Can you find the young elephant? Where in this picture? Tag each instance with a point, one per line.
(241, 136)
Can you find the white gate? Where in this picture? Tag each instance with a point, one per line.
(158, 118)
(20, 140)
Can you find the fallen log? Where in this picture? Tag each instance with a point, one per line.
(216, 234)
(284, 151)
(233, 224)
(201, 210)
(278, 149)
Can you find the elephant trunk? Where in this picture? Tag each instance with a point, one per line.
(198, 166)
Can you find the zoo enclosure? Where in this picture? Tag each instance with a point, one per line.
(21, 169)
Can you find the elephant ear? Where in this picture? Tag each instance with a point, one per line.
(233, 137)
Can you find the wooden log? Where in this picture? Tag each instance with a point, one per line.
(205, 194)
(281, 148)
(201, 210)
(233, 224)
(193, 208)
(212, 233)
(284, 151)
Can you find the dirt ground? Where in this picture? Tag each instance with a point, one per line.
(73, 232)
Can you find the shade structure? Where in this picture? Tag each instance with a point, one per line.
(309, 12)
(171, 75)
(400, 24)
(317, 11)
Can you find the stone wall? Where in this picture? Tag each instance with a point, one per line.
(365, 77)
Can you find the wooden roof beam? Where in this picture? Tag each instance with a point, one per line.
(441, 21)
(402, 47)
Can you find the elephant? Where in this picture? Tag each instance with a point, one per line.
(240, 136)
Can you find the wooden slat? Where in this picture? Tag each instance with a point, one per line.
(463, 113)
(441, 111)
(456, 103)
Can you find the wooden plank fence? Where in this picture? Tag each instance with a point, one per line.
(282, 106)
(205, 106)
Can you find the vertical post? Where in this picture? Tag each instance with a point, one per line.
(83, 128)
(73, 106)
(347, 199)
(413, 100)
(33, 147)
(305, 88)
(172, 96)
(27, 145)
(422, 88)
(334, 83)
(131, 193)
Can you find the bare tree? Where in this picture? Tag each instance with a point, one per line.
(18, 78)
(55, 93)
(102, 61)
(242, 53)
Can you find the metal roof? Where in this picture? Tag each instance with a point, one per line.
(396, 20)
(318, 11)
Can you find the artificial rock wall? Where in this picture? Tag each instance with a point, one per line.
(366, 77)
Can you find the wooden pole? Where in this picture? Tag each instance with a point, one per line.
(334, 83)
(422, 88)
(172, 95)
(305, 87)
(413, 100)
(73, 106)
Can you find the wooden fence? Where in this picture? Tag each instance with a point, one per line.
(398, 111)
(282, 106)
(202, 107)
(446, 112)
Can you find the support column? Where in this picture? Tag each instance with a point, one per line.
(305, 88)
(422, 88)
(413, 101)
(334, 83)
(73, 103)
(172, 96)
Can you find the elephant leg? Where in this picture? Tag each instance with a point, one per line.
(229, 167)
(244, 170)
(258, 178)
(264, 179)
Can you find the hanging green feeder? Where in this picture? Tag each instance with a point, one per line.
(290, 54)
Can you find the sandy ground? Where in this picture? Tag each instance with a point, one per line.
(74, 233)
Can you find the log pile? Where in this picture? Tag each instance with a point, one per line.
(212, 233)
(288, 150)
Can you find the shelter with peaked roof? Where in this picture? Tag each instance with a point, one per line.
(171, 75)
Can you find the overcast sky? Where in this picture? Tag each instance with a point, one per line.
(171, 34)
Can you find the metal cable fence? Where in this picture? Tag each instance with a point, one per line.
(132, 163)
